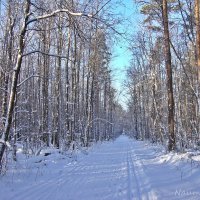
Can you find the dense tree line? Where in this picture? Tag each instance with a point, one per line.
(55, 79)
(163, 76)
(56, 82)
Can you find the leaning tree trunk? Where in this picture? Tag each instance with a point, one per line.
(172, 142)
(16, 72)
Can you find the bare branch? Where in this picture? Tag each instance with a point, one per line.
(46, 54)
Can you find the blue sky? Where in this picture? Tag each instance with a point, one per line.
(121, 54)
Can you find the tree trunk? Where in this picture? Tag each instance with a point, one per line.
(197, 19)
(172, 142)
(16, 72)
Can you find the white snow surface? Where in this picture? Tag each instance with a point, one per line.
(121, 170)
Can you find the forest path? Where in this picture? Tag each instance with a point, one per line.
(121, 170)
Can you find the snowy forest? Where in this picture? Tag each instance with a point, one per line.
(164, 74)
(58, 93)
(55, 75)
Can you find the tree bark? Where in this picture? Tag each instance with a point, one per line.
(172, 142)
(197, 19)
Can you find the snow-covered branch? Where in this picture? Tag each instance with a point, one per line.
(54, 13)
(32, 76)
(3, 89)
(5, 142)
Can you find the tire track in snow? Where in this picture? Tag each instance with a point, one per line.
(133, 184)
(144, 188)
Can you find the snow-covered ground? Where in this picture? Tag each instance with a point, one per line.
(121, 170)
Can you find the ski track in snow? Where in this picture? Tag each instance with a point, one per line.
(121, 170)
